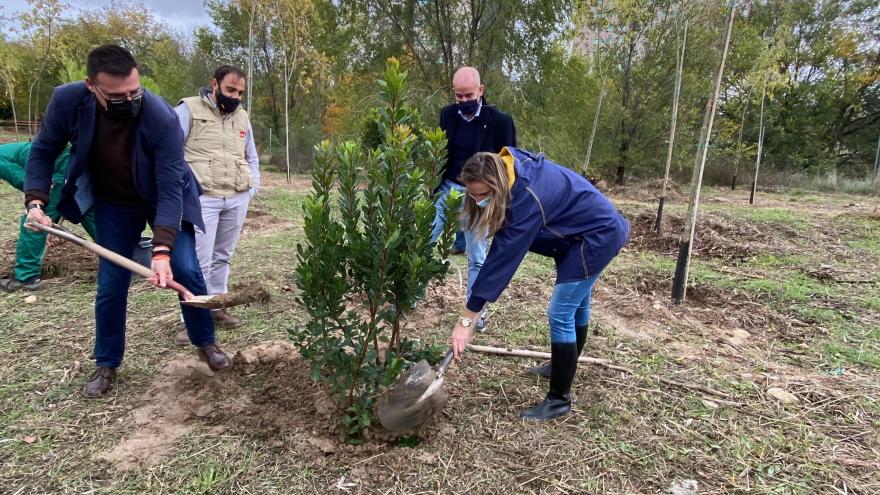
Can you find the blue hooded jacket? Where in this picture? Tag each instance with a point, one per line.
(161, 176)
(552, 212)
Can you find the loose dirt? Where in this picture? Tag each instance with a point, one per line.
(716, 236)
(241, 294)
(267, 396)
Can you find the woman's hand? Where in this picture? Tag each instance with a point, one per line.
(461, 337)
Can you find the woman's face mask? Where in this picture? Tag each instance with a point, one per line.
(480, 193)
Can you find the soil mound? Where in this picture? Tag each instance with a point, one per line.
(267, 396)
(716, 237)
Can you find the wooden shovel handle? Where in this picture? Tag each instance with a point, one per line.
(110, 256)
(444, 363)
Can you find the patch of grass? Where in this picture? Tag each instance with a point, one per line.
(285, 203)
(851, 347)
(871, 302)
(870, 245)
(795, 287)
(771, 216)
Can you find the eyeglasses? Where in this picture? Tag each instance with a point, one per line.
(120, 97)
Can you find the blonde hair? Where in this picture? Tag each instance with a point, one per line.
(489, 169)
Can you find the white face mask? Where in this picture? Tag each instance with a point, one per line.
(483, 203)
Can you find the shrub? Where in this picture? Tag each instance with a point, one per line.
(367, 255)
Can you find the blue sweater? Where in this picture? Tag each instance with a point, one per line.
(552, 212)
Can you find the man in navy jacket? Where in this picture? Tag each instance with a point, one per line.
(126, 159)
(471, 126)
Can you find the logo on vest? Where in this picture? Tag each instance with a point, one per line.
(242, 134)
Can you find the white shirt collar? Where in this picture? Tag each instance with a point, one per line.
(475, 115)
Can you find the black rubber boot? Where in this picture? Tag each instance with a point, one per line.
(558, 400)
(543, 370)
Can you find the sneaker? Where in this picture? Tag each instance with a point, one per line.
(480, 327)
(11, 284)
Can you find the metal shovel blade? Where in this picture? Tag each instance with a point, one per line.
(414, 397)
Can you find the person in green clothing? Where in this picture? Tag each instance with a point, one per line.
(32, 245)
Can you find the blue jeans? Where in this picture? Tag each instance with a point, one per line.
(459, 244)
(119, 229)
(477, 245)
(570, 308)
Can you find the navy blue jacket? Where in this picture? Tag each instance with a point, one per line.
(161, 176)
(552, 212)
(497, 132)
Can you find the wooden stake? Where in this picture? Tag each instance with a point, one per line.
(760, 146)
(679, 282)
(675, 97)
(595, 124)
(605, 363)
(506, 351)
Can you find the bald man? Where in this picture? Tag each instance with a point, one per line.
(471, 125)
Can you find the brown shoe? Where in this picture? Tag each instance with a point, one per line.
(217, 360)
(181, 337)
(224, 319)
(100, 382)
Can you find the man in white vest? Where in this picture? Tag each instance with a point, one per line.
(219, 147)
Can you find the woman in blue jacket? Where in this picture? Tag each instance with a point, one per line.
(528, 203)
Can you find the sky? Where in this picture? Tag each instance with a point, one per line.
(181, 15)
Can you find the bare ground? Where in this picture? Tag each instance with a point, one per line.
(733, 392)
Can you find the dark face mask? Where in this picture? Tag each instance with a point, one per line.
(124, 109)
(225, 103)
(469, 107)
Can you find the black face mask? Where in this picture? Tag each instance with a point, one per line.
(225, 103)
(469, 107)
(124, 109)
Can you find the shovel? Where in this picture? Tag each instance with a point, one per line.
(414, 397)
(189, 298)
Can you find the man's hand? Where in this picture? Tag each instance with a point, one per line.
(37, 215)
(161, 270)
(54, 241)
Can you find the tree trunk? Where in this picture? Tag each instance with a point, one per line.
(739, 140)
(876, 159)
(31, 104)
(679, 283)
(672, 125)
(14, 114)
(250, 70)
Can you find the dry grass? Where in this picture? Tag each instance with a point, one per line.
(264, 428)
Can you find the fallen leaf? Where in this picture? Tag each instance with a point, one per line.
(344, 485)
(782, 395)
(29, 439)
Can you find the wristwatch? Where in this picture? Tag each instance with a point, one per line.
(466, 322)
(32, 206)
